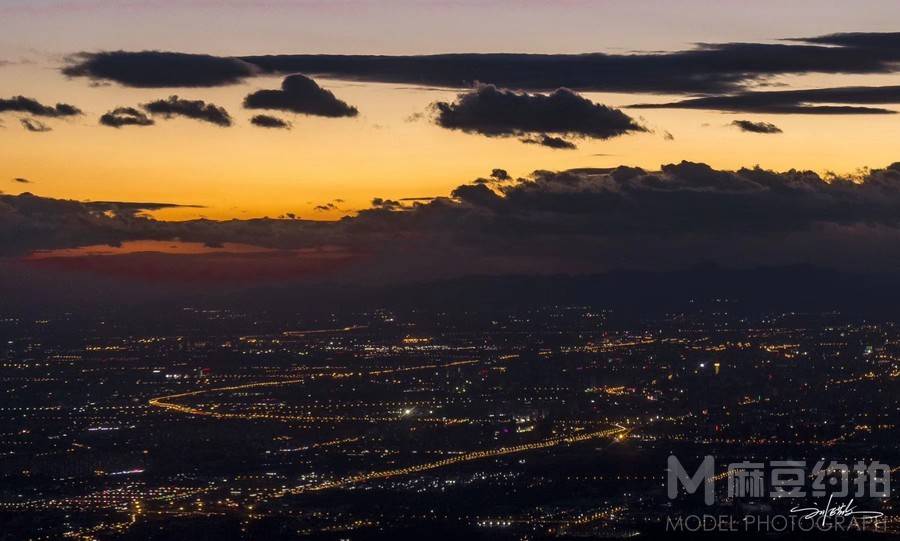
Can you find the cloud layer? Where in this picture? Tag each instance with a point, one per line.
(158, 69)
(492, 111)
(300, 94)
(582, 220)
(21, 104)
(756, 127)
(196, 109)
(707, 68)
(549, 141)
(267, 121)
(125, 116)
(807, 101)
(34, 125)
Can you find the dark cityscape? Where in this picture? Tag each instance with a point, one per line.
(528, 423)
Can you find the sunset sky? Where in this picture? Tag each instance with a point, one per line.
(372, 141)
(390, 150)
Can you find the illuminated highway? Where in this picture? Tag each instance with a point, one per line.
(618, 431)
(168, 402)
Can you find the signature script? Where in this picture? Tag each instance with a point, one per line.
(843, 510)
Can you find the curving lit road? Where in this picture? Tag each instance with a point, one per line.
(168, 402)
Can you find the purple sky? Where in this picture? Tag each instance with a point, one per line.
(411, 27)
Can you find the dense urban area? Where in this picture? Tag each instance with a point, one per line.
(526, 423)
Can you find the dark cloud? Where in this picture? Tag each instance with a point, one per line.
(29, 222)
(549, 141)
(21, 104)
(266, 121)
(34, 125)
(300, 94)
(196, 109)
(132, 208)
(862, 40)
(575, 221)
(157, 69)
(386, 204)
(707, 68)
(756, 127)
(695, 198)
(125, 116)
(21, 180)
(795, 101)
(331, 205)
(491, 111)
(500, 175)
